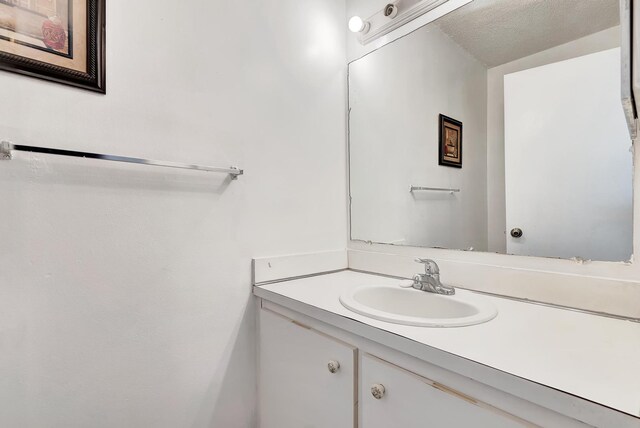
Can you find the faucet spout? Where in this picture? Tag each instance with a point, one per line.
(430, 280)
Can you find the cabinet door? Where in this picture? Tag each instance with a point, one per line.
(405, 399)
(297, 388)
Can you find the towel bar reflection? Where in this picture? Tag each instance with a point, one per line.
(6, 148)
(433, 189)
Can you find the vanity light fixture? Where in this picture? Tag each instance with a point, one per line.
(357, 25)
(400, 19)
(391, 11)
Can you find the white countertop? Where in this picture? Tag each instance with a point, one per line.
(589, 356)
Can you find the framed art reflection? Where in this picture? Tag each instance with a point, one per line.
(450, 149)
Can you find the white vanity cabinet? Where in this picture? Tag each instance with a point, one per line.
(530, 366)
(391, 396)
(312, 380)
(306, 379)
(311, 375)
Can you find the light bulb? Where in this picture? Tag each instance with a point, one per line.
(357, 25)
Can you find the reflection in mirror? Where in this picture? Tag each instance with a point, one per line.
(498, 127)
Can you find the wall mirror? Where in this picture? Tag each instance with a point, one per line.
(498, 127)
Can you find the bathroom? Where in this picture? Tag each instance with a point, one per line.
(329, 213)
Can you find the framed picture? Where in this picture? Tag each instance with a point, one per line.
(450, 150)
(58, 40)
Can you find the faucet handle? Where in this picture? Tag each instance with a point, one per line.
(430, 266)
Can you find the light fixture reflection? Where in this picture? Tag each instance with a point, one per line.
(357, 25)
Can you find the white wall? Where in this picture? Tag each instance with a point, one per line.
(567, 160)
(125, 290)
(396, 94)
(602, 40)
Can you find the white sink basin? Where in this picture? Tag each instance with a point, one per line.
(419, 308)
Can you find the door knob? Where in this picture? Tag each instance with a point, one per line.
(333, 366)
(377, 391)
(516, 232)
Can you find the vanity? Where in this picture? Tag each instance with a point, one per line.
(323, 365)
(493, 138)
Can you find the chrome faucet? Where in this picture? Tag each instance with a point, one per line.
(430, 279)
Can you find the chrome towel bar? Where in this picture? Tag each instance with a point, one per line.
(6, 148)
(433, 189)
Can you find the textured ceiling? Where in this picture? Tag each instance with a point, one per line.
(500, 31)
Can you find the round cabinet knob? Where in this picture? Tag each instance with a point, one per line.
(516, 232)
(333, 366)
(377, 391)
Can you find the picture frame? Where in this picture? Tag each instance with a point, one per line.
(450, 142)
(61, 41)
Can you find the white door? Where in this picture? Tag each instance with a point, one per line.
(568, 168)
(411, 401)
(296, 388)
